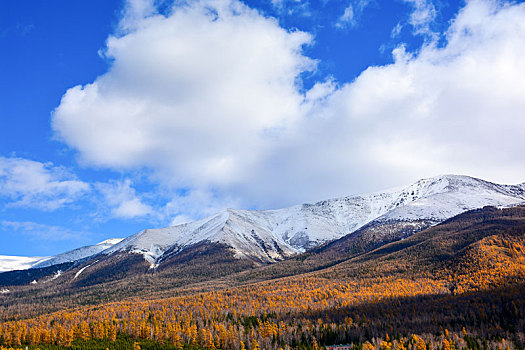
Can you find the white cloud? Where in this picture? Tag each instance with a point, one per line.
(210, 98)
(198, 203)
(43, 232)
(292, 7)
(396, 30)
(27, 183)
(454, 109)
(347, 18)
(422, 16)
(123, 200)
(133, 13)
(352, 13)
(31, 184)
(201, 92)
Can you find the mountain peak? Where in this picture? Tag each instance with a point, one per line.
(272, 235)
(110, 242)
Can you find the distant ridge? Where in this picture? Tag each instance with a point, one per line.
(10, 263)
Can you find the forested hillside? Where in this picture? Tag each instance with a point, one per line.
(459, 284)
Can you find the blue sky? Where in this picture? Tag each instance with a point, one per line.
(124, 115)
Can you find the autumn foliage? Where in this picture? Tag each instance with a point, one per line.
(387, 300)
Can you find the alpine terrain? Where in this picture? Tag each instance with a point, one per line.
(354, 224)
(438, 264)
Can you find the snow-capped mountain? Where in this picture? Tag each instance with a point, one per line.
(10, 263)
(440, 198)
(77, 254)
(271, 235)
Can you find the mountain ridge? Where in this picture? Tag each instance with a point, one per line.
(267, 236)
(272, 235)
(13, 263)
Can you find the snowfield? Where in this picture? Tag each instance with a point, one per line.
(10, 263)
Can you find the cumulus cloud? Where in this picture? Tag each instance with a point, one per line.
(456, 108)
(123, 200)
(207, 87)
(133, 13)
(32, 184)
(210, 97)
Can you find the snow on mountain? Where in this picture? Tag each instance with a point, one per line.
(271, 235)
(248, 232)
(77, 254)
(439, 198)
(10, 263)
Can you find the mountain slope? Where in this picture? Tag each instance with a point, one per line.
(474, 252)
(77, 254)
(10, 263)
(476, 249)
(13, 263)
(273, 235)
(248, 238)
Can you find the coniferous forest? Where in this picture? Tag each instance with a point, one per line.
(457, 285)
